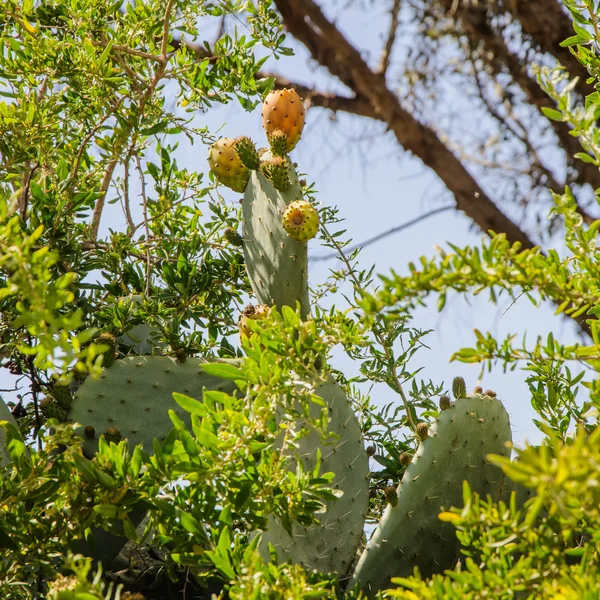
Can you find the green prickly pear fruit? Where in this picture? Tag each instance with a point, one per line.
(62, 395)
(252, 313)
(113, 434)
(283, 110)
(445, 403)
(459, 387)
(422, 431)
(301, 220)
(371, 450)
(52, 410)
(233, 237)
(278, 141)
(278, 171)
(391, 495)
(110, 340)
(246, 150)
(227, 166)
(405, 459)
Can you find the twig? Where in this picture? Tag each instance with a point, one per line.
(35, 387)
(128, 50)
(147, 228)
(126, 205)
(101, 200)
(386, 53)
(376, 332)
(389, 232)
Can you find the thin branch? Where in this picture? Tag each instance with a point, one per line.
(392, 231)
(128, 50)
(126, 204)
(110, 169)
(147, 228)
(386, 53)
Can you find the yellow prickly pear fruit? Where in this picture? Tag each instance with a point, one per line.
(283, 110)
(254, 313)
(301, 220)
(227, 166)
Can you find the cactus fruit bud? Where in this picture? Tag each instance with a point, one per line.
(301, 220)
(278, 142)
(62, 395)
(278, 171)
(445, 403)
(478, 389)
(459, 387)
(246, 150)
(112, 434)
(51, 409)
(108, 339)
(422, 431)
(233, 237)
(405, 459)
(391, 494)
(254, 313)
(283, 110)
(180, 355)
(90, 432)
(371, 450)
(227, 166)
(490, 393)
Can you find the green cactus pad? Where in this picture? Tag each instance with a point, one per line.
(329, 546)
(5, 415)
(410, 534)
(135, 394)
(277, 265)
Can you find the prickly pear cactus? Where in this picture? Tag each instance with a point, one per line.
(5, 415)
(329, 546)
(134, 396)
(277, 264)
(410, 534)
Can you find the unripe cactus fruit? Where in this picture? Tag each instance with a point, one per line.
(371, 450)
(246, 150)
(459, 387)
(278, 171)
(422, 431)
(90, 432)
(405, 459)
(52, 410)
(391, 494)
(278, 142)
(233, 237)
(107, 339)
(62, 395)
(254, 313)
(227, 166)
(301, 220)
(283, 110)
(445, 403)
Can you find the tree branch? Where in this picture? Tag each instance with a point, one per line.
(386, 53)
(305, 21)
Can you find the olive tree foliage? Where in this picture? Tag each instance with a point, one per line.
(87, 115)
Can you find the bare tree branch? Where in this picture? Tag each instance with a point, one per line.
(386, 53)
(305, 20)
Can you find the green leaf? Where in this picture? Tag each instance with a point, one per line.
(224, 371)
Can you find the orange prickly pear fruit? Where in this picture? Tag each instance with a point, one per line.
(283, 114)
(227, 166)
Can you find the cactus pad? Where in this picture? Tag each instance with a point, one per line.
(134, 396)
(410, 534)
(329, 546)
(277, 265)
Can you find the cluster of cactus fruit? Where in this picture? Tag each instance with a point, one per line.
(132, 397)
